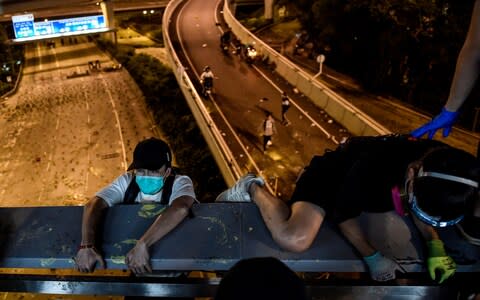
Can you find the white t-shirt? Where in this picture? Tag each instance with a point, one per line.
(268, 127)
(113, 194)
(206, 74)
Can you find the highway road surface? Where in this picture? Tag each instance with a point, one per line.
(63, 139)
(243, 95)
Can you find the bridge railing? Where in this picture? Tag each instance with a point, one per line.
(213, 238)
(354, 120)
(221, 152)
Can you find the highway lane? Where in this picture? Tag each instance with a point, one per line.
(237, 104)
(63, 139)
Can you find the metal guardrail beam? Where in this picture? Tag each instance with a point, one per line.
(215, 238)
(193, 287)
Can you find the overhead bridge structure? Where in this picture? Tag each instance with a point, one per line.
(213, 239)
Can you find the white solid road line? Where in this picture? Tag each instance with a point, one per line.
(122, 143)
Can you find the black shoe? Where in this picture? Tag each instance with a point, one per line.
(470, 229)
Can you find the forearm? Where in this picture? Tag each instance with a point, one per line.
(437, 258)
(428, 232)
(466, 74)
(167, 221)
(92, 214)
(468, 64)
(354, 234)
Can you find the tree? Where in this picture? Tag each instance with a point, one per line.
(407, 48)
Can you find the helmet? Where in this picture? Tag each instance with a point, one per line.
(445, 186)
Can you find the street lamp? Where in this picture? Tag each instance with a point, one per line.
(320, 60)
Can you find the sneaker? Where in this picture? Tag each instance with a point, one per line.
(239, 192)
(470, 229)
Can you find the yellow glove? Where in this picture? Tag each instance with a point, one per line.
(439, 260)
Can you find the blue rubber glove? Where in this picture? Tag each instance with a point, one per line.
(382, 268)
(444, 120)
(438, 260)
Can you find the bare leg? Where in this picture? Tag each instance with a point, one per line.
(292, 229)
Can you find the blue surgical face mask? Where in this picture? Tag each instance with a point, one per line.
(149, 185)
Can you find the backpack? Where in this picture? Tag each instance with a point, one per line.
(133, 189)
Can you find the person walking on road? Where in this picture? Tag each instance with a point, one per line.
(268, 129)
(285, 107)
(206, 79)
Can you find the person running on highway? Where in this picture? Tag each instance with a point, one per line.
(285, 107)
(150, 178)
(466, 74)
(267, 127)
(206, 78)
(440, 184)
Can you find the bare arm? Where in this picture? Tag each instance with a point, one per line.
(468, 64)
(428, 232)
(355, 235)
(438, 261)
(167, 221)
(381, 268)
(87, 257)
(138, 259)
(92, 214)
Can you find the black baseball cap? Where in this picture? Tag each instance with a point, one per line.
(151, 154)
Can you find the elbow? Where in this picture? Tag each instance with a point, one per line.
(293, 241)
(181, 207)
(183, 210)
(297, 246)
(96, 203)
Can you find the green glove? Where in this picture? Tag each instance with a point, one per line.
(439, 260)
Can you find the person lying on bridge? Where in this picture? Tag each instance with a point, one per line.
(369, 174)
(150, 178)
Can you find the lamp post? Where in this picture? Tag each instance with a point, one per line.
(320, 61)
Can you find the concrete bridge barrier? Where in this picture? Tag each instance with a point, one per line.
(216, 143)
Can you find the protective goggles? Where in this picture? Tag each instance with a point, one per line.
(434, 220)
